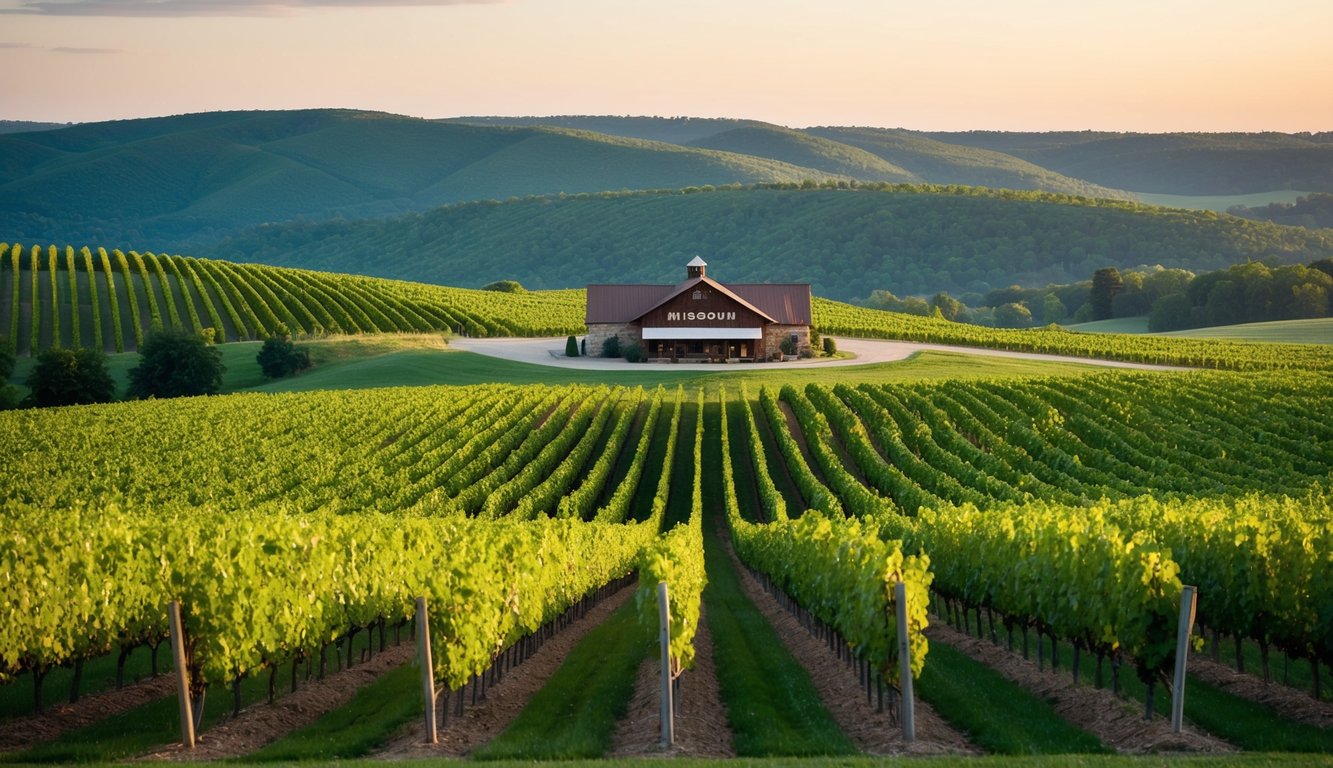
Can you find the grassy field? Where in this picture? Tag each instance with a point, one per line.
(1220, 202)
(362, 362)
(1318, 331)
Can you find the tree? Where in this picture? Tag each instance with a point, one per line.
(1052, 309)
(1012, 315)
(1170, 313)
(70, 377)
(505, 286)
(279, 357)
(1106, 283)
(949, 307)
(571, 347)
(176, 363)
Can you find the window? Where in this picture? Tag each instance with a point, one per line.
(698, 295)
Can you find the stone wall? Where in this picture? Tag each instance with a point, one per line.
(774, 335)
(598, 333)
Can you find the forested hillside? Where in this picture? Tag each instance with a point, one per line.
(1176, 163)
(844, 241)
(176, 180)
(942, 163)
(1311, 211)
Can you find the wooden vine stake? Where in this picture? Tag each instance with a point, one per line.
(1189, 598)
(668, 711)
(908, 705)
(182, 674)
(427, 671)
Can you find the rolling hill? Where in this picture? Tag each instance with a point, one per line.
(844, 241)
(1172, 163)
(804, 149)
(53, 296)
(941, 163)
(180, 179)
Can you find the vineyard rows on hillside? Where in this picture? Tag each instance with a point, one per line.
(109, 301)
(287, 525)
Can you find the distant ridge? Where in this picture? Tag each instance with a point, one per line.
(25, 126)
(184, 178)
(846, 240)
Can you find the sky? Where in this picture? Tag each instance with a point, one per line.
(1023, 65)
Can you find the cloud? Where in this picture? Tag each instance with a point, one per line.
(177, 8)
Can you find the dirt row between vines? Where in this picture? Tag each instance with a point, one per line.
(1291, 703)
(26, 732)
(260, 724)
(840, 690)
(505, 700)
(1118, 723)
(701, 717)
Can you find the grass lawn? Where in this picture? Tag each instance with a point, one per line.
(361, 362)
(1318, 331)
(365, 723)
(996, 714)
(574, 715)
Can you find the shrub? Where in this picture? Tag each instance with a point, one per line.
(571, 347)
(279, 357)
(611, 347)
(634, 353)
(70, 377)
(830, 346)
(505, 286)
(176, 363)
(788, 346)
(583, 346)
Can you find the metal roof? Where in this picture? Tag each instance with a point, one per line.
(784, 303)
(697, 261)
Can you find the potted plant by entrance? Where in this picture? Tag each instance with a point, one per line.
(788, 347)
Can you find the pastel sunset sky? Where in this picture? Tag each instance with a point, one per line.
(1134, 65)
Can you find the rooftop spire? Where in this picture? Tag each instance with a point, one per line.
(696, 268)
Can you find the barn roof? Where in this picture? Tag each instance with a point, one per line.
(783, 303)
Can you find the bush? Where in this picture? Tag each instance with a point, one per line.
(634, 353)
(505, 286)
(571, 347)
(806, 353)
(611, 347)
(279, 357)
(70, 377)
(583, 346)
(176, 363)
(788, 346)
(830, 346)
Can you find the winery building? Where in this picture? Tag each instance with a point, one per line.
(700, 318)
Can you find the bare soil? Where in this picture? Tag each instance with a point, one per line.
(1118, 723)
(25, 732)
(840, 690)
(459, 736)
(1290, 703)
(260, 724)
(701, 717)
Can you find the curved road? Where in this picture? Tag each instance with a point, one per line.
(551, 351)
